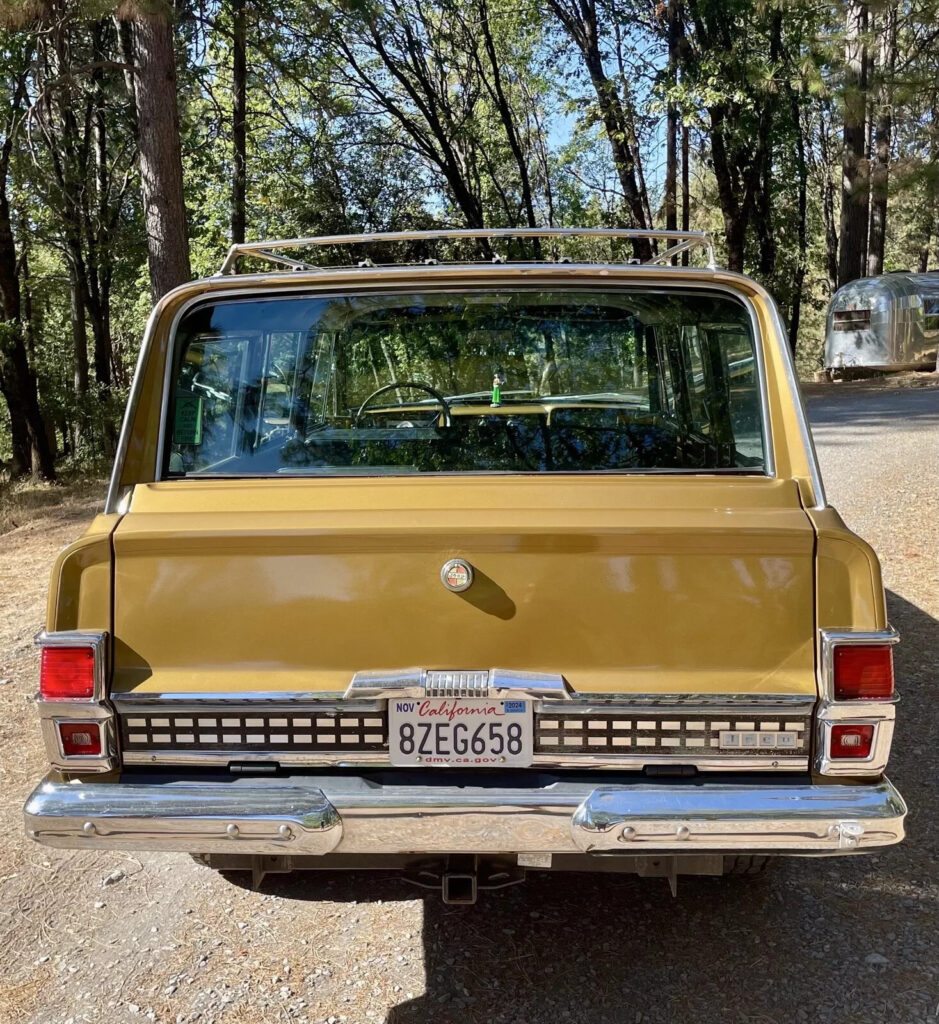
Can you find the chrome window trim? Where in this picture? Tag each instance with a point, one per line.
(79, 709)
(880, 713)
(604, 275)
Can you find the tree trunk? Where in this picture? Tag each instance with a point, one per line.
(31, 449)
(161, 168)
(671, 127)
(929, 220)
(497, 91)
(239, 92)
(931, 190)
(823, 169)
(97, 233)
(581, 23)
(855, 188)
(795, 314)
(685, 188)
(883, 129)
(732, 210)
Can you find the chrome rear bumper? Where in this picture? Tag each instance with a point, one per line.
(341, 814)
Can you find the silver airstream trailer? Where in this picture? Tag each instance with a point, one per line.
(883, 323)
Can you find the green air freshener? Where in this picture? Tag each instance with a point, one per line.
(187, 428)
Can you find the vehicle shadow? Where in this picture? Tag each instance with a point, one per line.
(790, 945)
(848, 940)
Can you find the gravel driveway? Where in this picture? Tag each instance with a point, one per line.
(112, 938)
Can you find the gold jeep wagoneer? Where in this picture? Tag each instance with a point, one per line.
(465, 568)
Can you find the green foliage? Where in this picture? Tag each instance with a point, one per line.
(370, 115)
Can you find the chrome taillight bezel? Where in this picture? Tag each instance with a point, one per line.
(97, 709)
(879, 713)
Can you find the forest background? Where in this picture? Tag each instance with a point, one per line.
(139, 139)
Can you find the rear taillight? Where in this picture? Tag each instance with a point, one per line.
(77, 719)
(851, 741)
(863, 672)
(856, 713)
(80, 739)
(67, 673)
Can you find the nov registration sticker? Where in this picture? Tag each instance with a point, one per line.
(460, 732)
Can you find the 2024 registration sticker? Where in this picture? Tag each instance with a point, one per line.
(460, 731)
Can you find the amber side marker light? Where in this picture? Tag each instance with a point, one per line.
(863, 672)
(67, 673)
(80, 738)
(851, 741)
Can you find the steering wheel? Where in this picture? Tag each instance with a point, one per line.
(394, 385)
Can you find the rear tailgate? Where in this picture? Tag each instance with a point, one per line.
(620, 584)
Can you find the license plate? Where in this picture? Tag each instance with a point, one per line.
(456, 731)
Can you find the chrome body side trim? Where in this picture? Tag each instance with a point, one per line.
(370, 689)
(372, 759)
(880, 714)
(96, 708)
(258, 700)
(321, 814)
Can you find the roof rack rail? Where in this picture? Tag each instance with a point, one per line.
(272, 251)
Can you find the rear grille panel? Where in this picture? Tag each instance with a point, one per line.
(218, 732)
(222, 729)
(691, 735)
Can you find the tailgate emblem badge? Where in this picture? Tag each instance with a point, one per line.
(457, 575)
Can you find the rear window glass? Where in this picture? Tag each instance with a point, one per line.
(474, 382)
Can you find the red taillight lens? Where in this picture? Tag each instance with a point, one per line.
(80, 738)
(851, 740)
(863, 671)
(67, 673)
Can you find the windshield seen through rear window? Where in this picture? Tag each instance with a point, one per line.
(469, 382)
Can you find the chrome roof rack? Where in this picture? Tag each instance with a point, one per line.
(272, 251)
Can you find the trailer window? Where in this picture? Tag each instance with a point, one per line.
(931, 315)
(852, 320)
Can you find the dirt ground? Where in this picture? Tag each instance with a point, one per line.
(108, 937)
